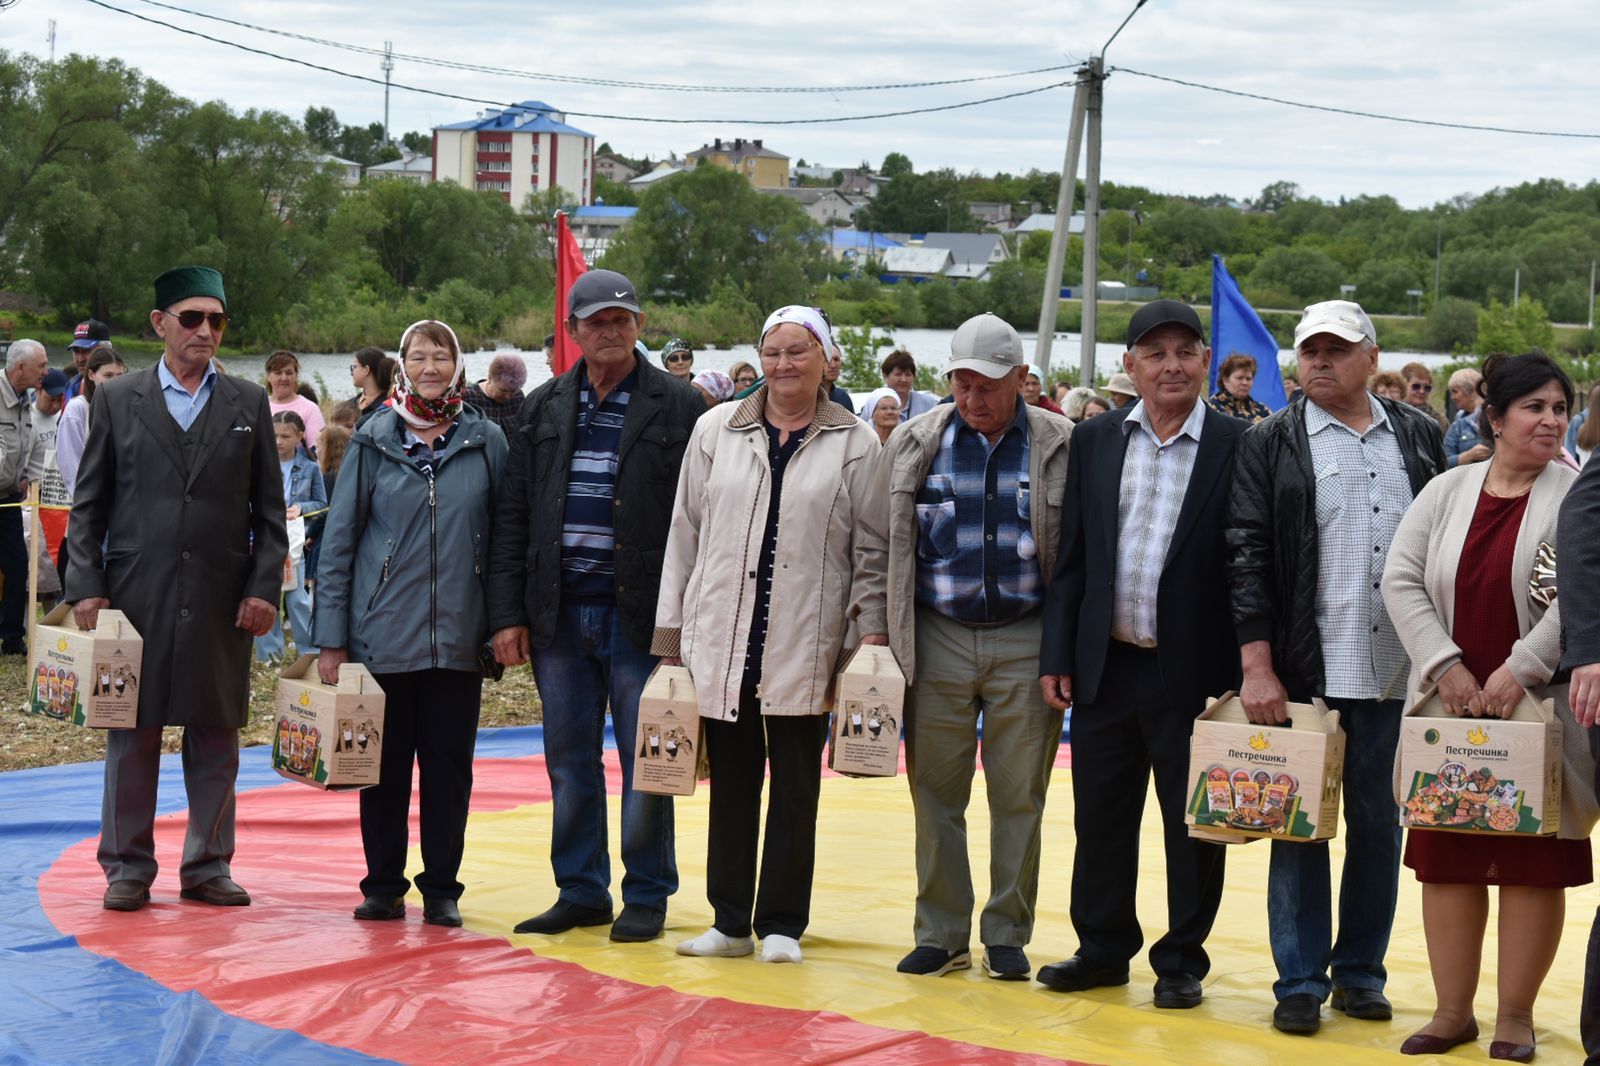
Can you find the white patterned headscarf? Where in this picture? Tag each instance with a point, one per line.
(809, 317)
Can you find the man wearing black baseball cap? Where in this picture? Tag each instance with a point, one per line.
(86, 337)
(574, 569)
(1145, 504)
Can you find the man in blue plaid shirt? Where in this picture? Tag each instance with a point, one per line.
(972, 499)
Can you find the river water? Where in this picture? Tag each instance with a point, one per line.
(928, 346)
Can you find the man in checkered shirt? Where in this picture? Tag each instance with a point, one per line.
(1318, 491)
(972, 494)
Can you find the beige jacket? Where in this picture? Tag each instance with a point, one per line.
(22, 453)
(1419, 589)
(906, 459)
(829, 565)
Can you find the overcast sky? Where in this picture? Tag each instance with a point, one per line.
(1475, 61)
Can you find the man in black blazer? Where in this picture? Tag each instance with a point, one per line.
(1136, 637)
(1578, 557)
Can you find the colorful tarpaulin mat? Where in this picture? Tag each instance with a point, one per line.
(294, 979)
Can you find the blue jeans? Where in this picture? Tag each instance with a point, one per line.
(1299, 892)
(588, 663)
(296, 611)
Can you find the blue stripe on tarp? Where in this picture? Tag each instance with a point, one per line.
(60, 1003)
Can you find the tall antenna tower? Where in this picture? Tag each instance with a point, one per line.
(388, 69)
(51, 37)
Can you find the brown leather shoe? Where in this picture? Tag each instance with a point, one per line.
(126, 896)
(218, 892)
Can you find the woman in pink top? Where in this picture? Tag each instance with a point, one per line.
(283, 378)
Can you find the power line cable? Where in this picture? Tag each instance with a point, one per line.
(615, 83)
(582, 114)
(1354, 113)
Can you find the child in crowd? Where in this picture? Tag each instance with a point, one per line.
(303, 492)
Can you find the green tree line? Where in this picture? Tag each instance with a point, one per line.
(108, 178)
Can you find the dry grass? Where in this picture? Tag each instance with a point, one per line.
(32, 740)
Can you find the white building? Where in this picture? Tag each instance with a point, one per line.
(827, 207)
(413, 167)
(527, 147)
(344, 171)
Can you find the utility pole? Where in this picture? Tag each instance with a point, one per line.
(388, 69)
(1516, 287)
(1591, 293)
(1086, 113)
(1062, 231)
(1091, 223)
(1438, 249)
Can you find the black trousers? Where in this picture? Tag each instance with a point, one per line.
(14, 603)
(1589, 1009)
(430, 719)
(740, 753)
(1131, 730)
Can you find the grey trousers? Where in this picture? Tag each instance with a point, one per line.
(128, 810)
(964, 674)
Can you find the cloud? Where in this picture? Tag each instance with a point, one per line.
(1473, 61)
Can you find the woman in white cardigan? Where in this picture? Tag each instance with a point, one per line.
(762, 588)
(1470, 585)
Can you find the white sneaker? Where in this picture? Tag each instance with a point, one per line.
(717, 945)
(779, 948)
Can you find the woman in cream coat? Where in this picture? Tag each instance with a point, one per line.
(1470, 584)
(765, 573)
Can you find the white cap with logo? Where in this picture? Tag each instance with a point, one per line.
(1342, 318)
(987, 344)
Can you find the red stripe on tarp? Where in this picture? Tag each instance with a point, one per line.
(406, 991)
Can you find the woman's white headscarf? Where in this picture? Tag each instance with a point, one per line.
(871, 402)
(809, 317)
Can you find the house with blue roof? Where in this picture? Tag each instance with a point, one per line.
(516, 150)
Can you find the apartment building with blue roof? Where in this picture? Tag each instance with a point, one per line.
(515, 150)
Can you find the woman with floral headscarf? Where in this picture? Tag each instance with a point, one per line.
(400, 588)
(770, 531)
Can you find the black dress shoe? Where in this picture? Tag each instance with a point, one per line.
(638, 924)
(564, 916)
(14, 647)
(220, 891)
(1300, 1013)
(1078, 974)
(436, 910)
(1428, 1044)
(1362, 1003)
(1178, 991)
(126, 896)
(381, 908)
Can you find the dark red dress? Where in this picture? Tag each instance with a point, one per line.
(1484, 630)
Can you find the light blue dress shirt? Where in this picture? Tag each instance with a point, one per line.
(183, 407)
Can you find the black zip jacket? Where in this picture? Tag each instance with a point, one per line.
(525, 550)
(1272, 534)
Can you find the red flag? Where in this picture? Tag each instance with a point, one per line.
(569, 264)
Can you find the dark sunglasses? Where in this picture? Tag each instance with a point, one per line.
(1421, 386)
(680, 357)
(218, 320)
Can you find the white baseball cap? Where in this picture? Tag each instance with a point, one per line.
(1342, 318)
(985, 343)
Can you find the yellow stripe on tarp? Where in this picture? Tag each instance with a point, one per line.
(861, 925)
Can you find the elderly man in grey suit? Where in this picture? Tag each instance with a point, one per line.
(177, 522)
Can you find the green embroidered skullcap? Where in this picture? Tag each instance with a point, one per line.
(180, 283)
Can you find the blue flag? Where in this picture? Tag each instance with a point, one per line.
(1237, 329)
